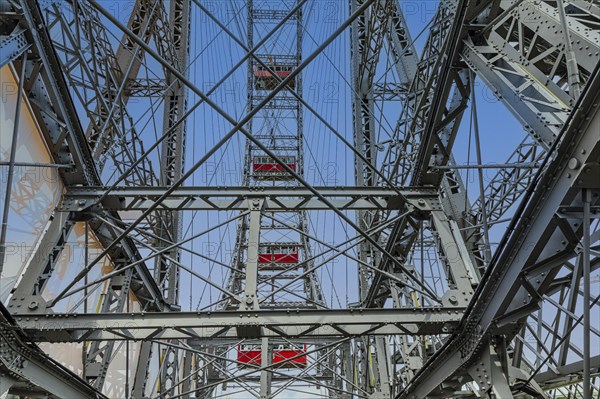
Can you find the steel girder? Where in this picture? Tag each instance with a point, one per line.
(528, 72)
(146, 19)
(421, 128)
(173, 48)
(61, 129)
(479, 53)
(382, 20)
(12, 45)
(402, 46)
(431, 89)
(285, 199)
(524, 59)
(508, 68)
(300, 323)
(368, 34)
(64, 126)
(532, 252)
(100, 79)
(25, 369)
(99, 353)
(564, 374)
(521, 70)
(428, 86)
(520, 179)
(28, 291)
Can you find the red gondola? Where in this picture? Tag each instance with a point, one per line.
(265, 80)
(251, 355)
(265, 167)
(278, 255)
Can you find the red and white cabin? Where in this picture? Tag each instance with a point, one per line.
(278, 255)
(251, 355)
(265, 80)
(265, 168)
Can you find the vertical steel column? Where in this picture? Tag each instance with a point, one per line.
(367, 33)
(382, 367)
(265, 375)
(250, 300)
(172, 167)
(172, 155)
(487, 254)
(587, 386)
(141, 371)
(365, 46)
(99, 353)
(186, 375)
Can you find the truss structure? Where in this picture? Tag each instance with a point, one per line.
(412, 272)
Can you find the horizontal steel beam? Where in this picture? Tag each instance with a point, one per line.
(229, 324)
(236, 198)
(565, 374)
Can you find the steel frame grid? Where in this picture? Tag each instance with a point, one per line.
(568, 75)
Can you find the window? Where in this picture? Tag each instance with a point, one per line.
(249, 347)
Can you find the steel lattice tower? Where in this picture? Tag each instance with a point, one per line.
(470, 249)
(272, 257)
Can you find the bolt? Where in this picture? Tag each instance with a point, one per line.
(574, 163)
